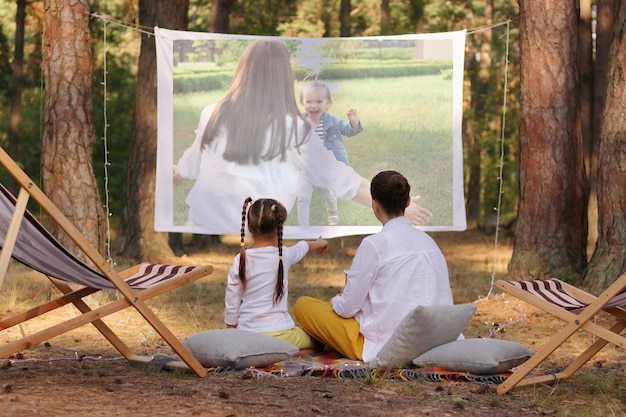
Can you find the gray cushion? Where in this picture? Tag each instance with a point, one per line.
(237, 349)
(478, 356)
(421, 330)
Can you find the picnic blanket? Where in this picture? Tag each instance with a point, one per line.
(333, 366)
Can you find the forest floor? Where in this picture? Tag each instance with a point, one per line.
(79, 373)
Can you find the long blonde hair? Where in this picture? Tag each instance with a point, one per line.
(259, 102)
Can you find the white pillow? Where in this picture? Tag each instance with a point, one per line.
(477, 356)
(421, 330)
(237, 349)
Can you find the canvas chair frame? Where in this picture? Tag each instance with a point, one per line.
(574, 321)
(129, 297)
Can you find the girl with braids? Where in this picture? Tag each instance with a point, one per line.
(392, 273)
(256, 292)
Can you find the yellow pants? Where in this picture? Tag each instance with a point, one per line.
(295, 336)
(318, 319)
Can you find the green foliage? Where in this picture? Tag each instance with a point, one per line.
(228, 52)
(119, 111)
(445, 15)
(341, 51)
(386, 54)
(5, 77)
(200, 15)
(5, 65)
(189, 83)
(29, 133)
(122, 48)
(364, 70)
(261, 17)
(307, 23)
(192, 81)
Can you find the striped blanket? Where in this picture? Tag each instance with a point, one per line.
(333, 366)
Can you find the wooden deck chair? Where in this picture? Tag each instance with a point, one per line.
(24, 239)
(578, 309)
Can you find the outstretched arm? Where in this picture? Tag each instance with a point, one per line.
(416, 214)
(320, 245)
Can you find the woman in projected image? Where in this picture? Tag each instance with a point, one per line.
(254, 142)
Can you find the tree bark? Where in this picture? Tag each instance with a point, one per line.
(220, 19)
(551, 229)
(344, 18)
(604, 34)
(385, 13)
(609, 258)
(69, 133)
(138, 239)
(586, 79)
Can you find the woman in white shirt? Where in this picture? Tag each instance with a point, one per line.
(392, 273)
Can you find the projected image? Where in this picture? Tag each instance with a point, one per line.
(304, 121)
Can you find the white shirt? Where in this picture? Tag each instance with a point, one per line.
(222, 186)
(392, 273)
(254, 310)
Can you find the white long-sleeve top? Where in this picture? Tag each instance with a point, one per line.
(221, 186)
(392, 273)
(254, 309)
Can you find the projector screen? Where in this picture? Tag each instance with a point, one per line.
(407, 91)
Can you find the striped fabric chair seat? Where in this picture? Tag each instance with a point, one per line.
(552, 291)
(149, 274)
(36, 248)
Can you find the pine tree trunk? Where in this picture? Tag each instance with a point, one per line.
(220, 15)
(17, 81)
(385, 13)
(138, 239)
(344, 18)
(69, 134)
(551, 229)
(609, 258)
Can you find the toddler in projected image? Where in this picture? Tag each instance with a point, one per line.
(316, 99)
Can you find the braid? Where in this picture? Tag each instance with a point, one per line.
(242, 245)
(278, 293)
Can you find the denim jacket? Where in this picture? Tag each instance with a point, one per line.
(334, 128)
